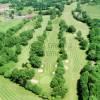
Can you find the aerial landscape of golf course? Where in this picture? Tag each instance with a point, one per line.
(49, 49)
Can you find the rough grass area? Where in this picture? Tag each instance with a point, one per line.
(92, 10)
(12, 91)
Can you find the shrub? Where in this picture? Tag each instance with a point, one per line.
(34, 88)
(71, 29)
(35, 61)
(83, 44)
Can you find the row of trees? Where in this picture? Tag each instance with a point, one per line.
(58, 82)
(37, 50)
(10, 44)
(82, 42)
(88, 85)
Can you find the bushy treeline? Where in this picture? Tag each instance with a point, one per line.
(37, 5)
(37, 51)
(10, 44)
(58, 82)
(88, 85)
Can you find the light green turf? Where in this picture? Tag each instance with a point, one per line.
(49, 60)
(5, 24)
(76, 57)
(92, 10)
(12, 91)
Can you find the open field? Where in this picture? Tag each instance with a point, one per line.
(12, 91)
(92, 10)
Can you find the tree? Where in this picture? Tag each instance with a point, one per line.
(71, 29)
(83, 44)
(21, 76)
(35, 61)
(79, 36)
(34, 88)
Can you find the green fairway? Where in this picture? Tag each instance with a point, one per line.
(12, 91)
(76, 57)
(92, 10)
(49, 60)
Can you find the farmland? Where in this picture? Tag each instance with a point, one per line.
(49, 50)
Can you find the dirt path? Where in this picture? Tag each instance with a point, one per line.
(76, 57)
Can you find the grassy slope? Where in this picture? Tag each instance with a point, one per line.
(76, 57)
(49, 60)
(92, 10)
(11, 91)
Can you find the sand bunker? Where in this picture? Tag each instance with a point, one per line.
(66, 67)
(42, 66)
(53, 73)
(56, 66)
(40, 70)
(34, 81)
(66, 61)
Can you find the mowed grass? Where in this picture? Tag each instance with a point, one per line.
(5, 24)
(50, 58)
(76, 61)
(76, 57)
(92, 10)
(12, 91)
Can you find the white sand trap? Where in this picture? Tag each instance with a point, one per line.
(66, 67)
(42, 66)
(56, 66)
(66, 61)
(40, 70)
(53, 73)
(75, 34)
(34, 81)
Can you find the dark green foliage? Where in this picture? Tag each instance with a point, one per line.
(71, 29)
(35, 61)
(83, 44)
(59, 91)
(22, 75)
(34, 88)
(79, 36)
(63, 26)
(18, 49)
(37, 48)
